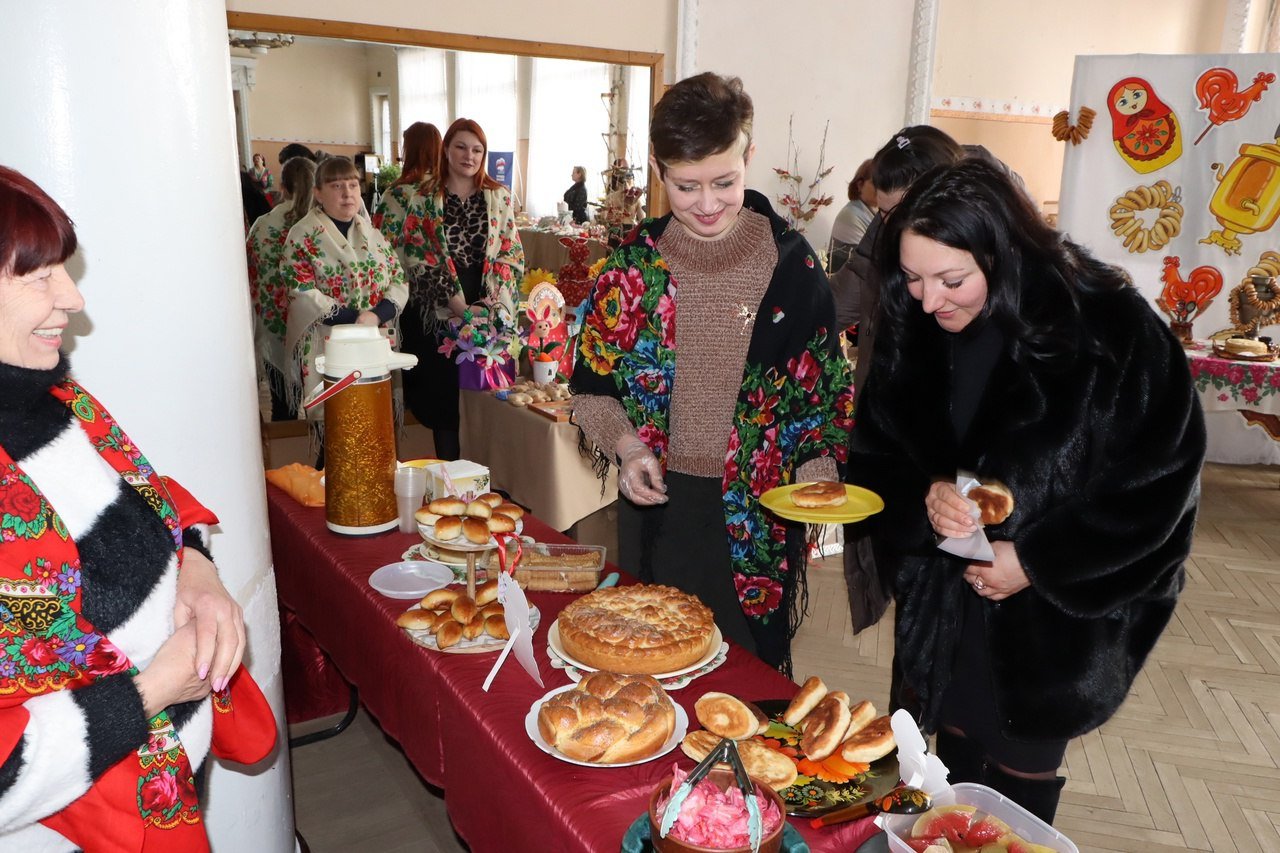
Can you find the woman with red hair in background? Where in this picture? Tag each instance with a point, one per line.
(116, 629)
(460, 245)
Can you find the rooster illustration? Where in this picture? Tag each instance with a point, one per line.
(1183, 300)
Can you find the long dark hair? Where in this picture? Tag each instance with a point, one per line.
(1035, 277)
(910, 153)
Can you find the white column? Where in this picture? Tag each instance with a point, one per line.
(924, 42)
(122, 112)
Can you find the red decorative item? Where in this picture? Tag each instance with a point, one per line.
(574, 280)
(1183, 300)
(548, 332)
(1216, 89)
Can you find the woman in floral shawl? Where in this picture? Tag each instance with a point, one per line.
(339, 269)
(269, 286)
(421, 148)
(461, 245)
(724, 289)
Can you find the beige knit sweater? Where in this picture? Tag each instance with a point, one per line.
(720, 284)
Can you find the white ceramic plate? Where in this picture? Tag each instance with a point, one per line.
(553, 642)
(531, 729)
(410, 578)
(669, 683)
(475, 645)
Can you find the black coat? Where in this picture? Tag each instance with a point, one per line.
(1103, 460)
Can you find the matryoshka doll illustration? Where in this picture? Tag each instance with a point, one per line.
(1144, 128)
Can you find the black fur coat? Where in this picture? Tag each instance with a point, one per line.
(1103, 460)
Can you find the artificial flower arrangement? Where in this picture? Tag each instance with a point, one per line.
(481, 342)
(533, 278)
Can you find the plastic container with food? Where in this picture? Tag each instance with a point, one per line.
(1030, 830)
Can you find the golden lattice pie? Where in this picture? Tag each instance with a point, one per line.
(636, 629)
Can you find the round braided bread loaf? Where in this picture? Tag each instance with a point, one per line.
(608, 718)
(636, 629)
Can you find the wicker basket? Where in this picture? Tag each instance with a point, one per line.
(548, 567)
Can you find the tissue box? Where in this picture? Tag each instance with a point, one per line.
(984, 799)
(469, 479)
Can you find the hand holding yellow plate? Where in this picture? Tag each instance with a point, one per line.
(861, 503)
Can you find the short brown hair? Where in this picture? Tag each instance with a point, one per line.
(698, 117)
(335, 169)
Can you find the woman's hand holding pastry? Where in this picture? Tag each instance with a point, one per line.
(217, 619)
(948, 511)
(171, 676)
(639, 474)
(1000, 578)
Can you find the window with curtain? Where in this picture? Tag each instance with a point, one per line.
(423, 85)
(638, 125)
(486, 93)
(567, 123)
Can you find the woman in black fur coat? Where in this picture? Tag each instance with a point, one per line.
(1008, 351)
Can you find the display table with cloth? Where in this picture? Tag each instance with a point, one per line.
(543, 250)
(533, 459)
(1241, 402)
(501, 791)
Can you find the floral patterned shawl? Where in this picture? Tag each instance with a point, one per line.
(269, 287)
(424, 244)
(147, 800)
(795, 403)
(326, 272)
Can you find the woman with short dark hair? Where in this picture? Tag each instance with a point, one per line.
(1010, 352)
(724, 295)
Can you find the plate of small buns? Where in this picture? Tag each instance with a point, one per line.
(469, 525)
(607, 720)
(840, 751)
(822, 503)
(448, 620)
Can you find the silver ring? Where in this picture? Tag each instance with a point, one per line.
(978, 584)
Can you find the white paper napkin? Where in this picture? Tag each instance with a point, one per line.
(917, 767)
(516, 613)
(974, 546)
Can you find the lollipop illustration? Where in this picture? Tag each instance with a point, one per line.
(1216, 90)
(1144, 129)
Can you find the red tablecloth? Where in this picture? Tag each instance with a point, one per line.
(502, 792)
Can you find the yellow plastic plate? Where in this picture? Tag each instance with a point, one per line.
(861, 504)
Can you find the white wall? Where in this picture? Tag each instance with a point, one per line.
(838, 60)
(316, 91)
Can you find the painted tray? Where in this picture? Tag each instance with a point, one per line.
(861, 503)
(824, 785)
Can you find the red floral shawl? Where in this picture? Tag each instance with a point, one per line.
(147, 799)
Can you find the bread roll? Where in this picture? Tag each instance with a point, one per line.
(872, 742)
(447, 506)
(729, 716)
(811, 693)
(608, 718)
(426, 516)
(499, 523)
(994, 501)
(496, 626)
(492, 608)
(462, 609)
(417, 620)
(448, 634)
(476, 530)
(478, 509)
(487, 592)
(860, 716)
(493, 499)
(447, 528)
(510, 509)
(772, 768)
(438, 598)
(474, 628)
(824, 728)
(1244, 346)
(820, 494)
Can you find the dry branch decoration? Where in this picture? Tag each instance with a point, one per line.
(802, 202)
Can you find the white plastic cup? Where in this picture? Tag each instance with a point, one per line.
(411, 487)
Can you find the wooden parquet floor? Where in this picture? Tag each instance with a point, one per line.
(1192, 760)
(1189, 763)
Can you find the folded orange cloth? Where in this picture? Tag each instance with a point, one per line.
(302, 482)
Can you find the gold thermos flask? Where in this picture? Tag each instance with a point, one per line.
(359, 430)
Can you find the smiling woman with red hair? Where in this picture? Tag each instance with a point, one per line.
(460, 246)
(116, 629)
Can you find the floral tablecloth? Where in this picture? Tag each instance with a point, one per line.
(1226, 385)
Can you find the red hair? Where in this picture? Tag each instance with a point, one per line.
(35, 232)
(483, 181)
(421, 153)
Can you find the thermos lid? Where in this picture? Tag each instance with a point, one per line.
(363, 348)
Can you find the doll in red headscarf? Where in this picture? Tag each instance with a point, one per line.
(1144, 129)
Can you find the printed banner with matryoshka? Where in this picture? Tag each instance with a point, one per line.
(1178, 177)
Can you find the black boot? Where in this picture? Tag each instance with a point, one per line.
(965, 759)
(1038, 796)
